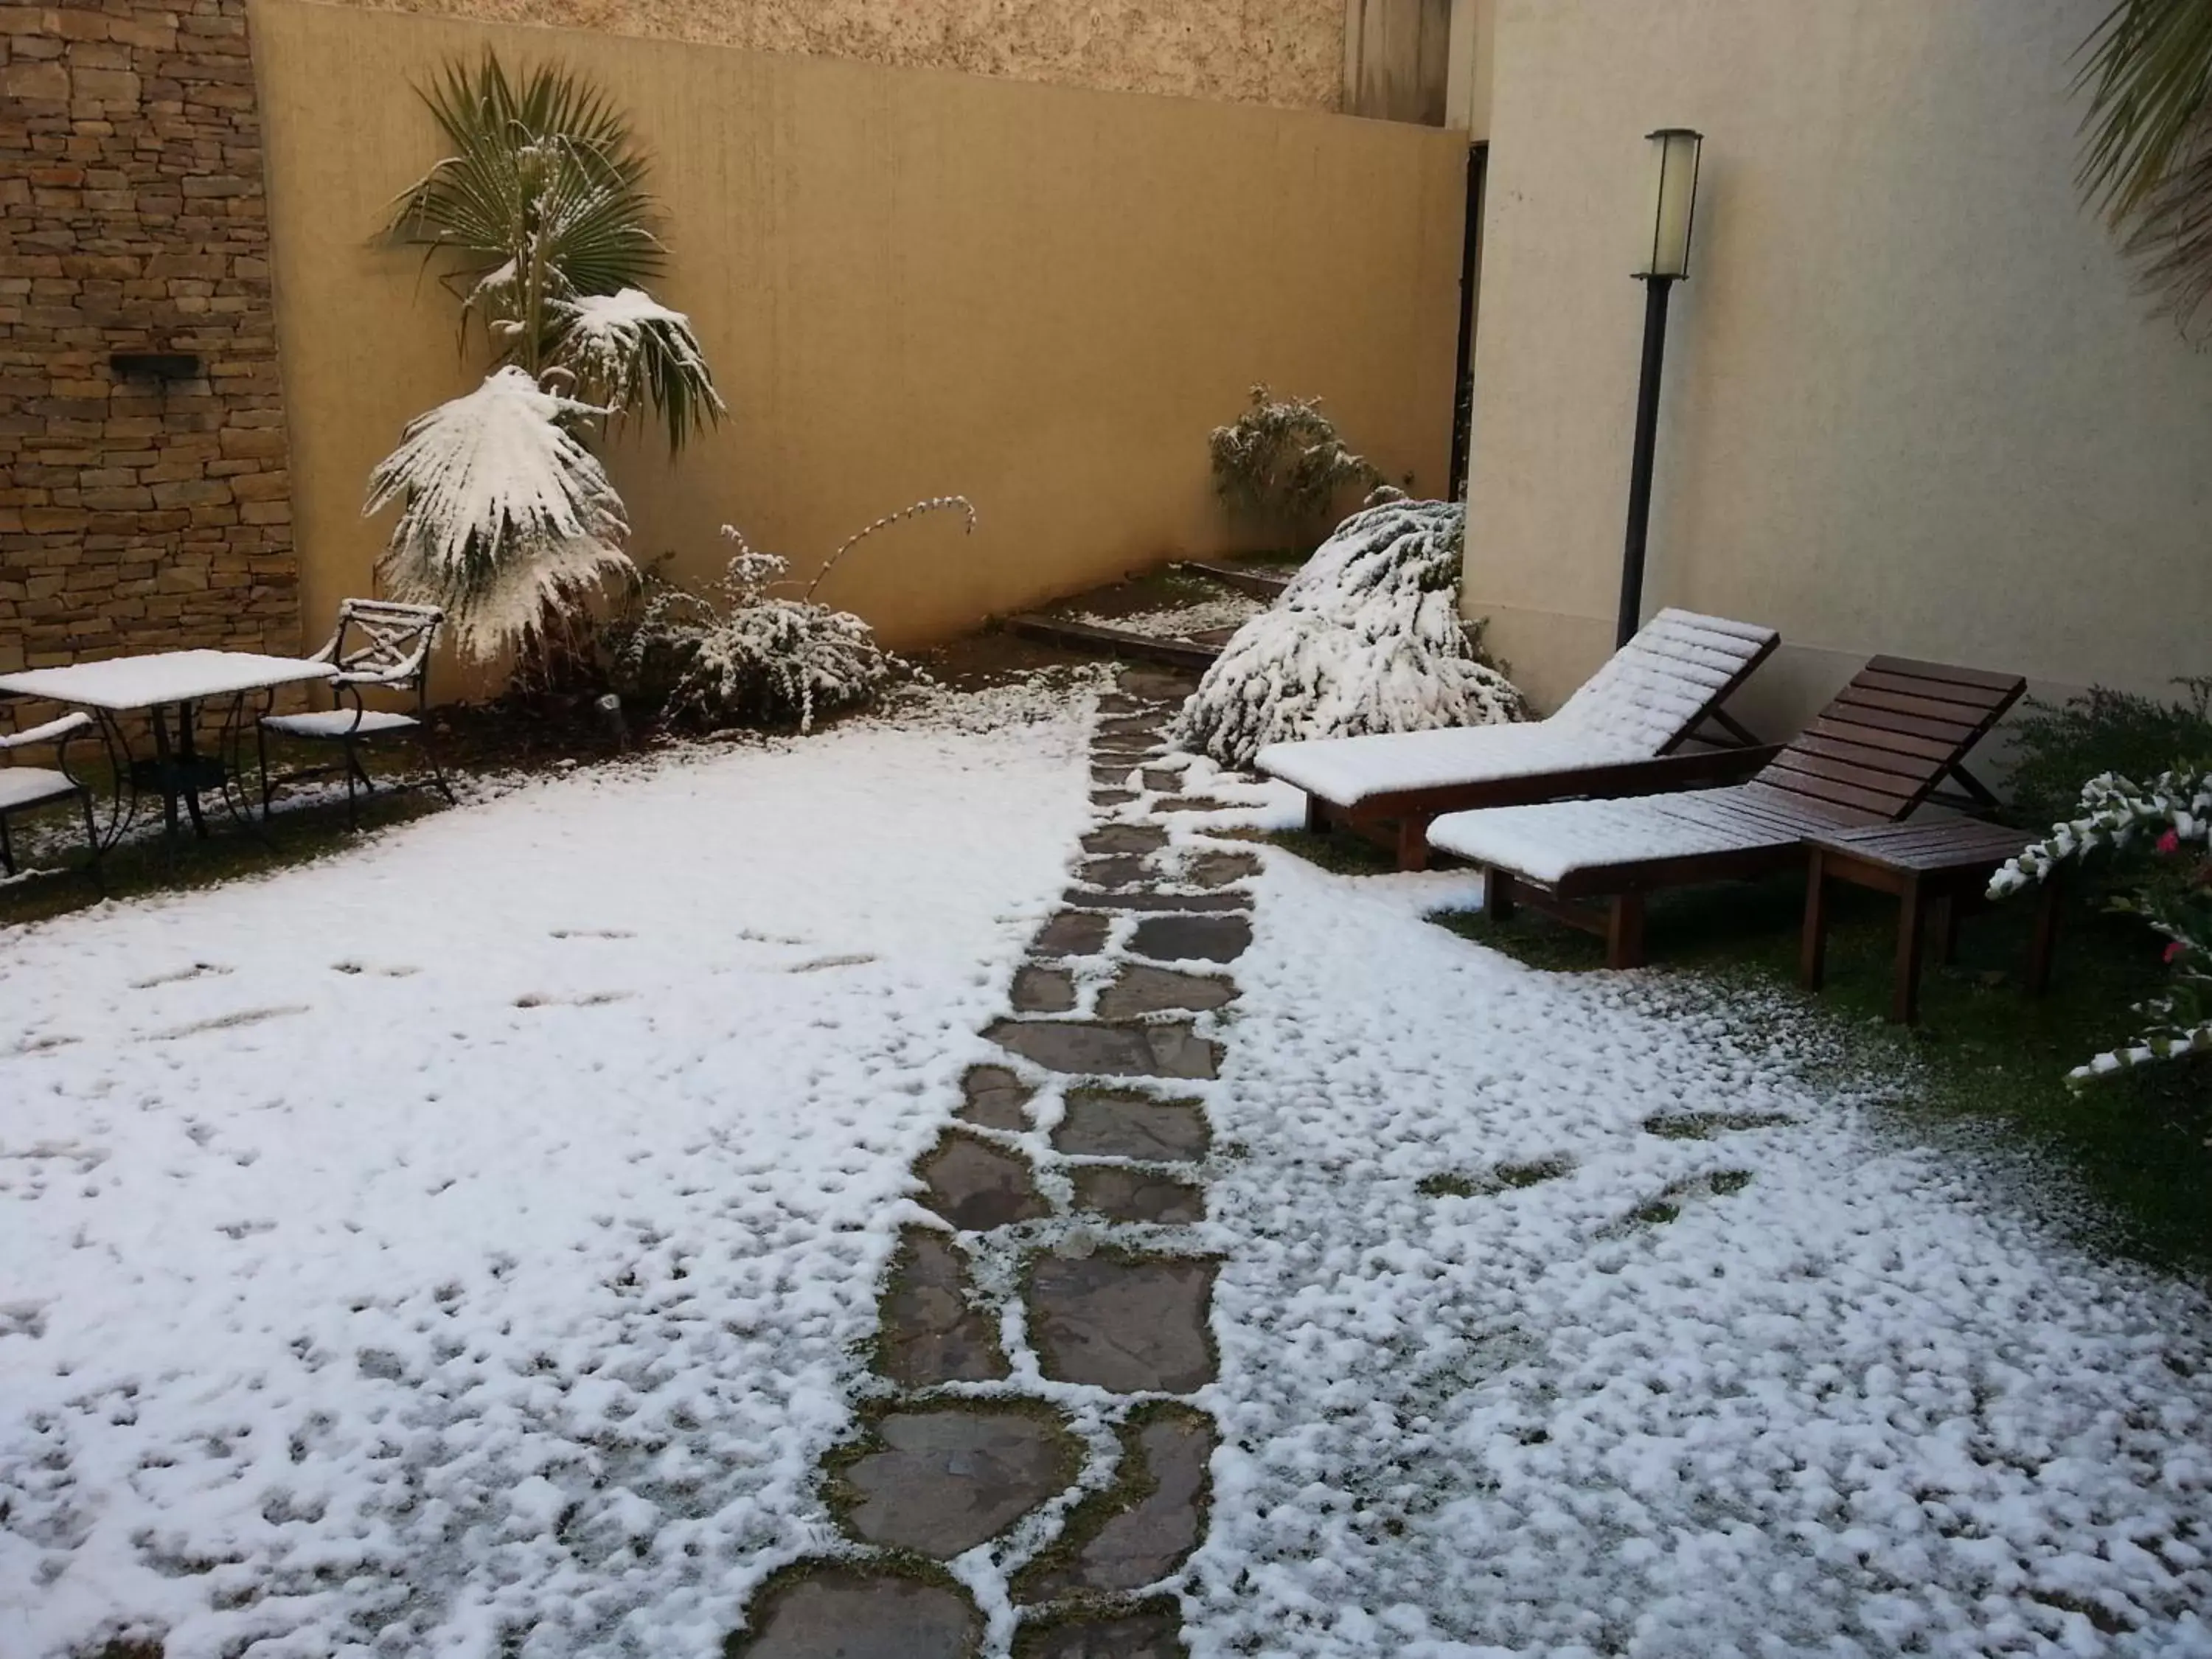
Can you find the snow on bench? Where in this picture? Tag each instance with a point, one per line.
(1548, 842)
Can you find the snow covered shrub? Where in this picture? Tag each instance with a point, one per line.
(507, 518)
(1281, 461)
(739, 655)
(2059, 747)
(2174, 818)
(1366, 638)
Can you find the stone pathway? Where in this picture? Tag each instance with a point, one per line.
(1031, 1473)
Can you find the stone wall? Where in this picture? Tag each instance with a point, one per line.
(1285, 52)
(136, 514)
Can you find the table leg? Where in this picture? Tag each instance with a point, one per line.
(1904, 995)
(1812, 941)
(165, 762)
(1623, 931)
(1947, 907)
(188, 755)
(1496, 895)
(2044, 944)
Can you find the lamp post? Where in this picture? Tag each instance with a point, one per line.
(1666, 261)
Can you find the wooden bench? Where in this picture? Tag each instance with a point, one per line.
(1941, 866)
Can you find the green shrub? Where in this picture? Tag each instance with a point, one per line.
(1281, 462)
(2062, 746)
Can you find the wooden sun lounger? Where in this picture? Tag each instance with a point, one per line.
(1873, 755)
(1621, 734)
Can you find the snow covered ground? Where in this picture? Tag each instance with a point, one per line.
(465, 1234)
(1795, 1384)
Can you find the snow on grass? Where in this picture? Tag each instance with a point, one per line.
(457, 1242)
(1504, 1369)
(1177, 622)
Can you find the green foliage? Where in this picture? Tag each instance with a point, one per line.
(1282, 461)
(2061, 746)
(2147, 161)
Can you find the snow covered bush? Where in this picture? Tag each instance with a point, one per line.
(1282, 462)
(506, 519)
(2174, 818)
(1366, 638)
(739, 655)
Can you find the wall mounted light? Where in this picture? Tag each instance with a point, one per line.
(1665, 261)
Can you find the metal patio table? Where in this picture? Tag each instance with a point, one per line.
(170, 686)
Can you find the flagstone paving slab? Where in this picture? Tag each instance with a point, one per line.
(1131, 899)
(932, 1333)
(1125, 838)
(945, 1480)
(1107, 1123)
(1043, 990)
(1142, 1636)
(1170, 1049)
(1123, 870)
(977, 1187)
(1192, 937)
(1133, 1325)
(994, 1098)
(1219, 869)
(1117, 1545)
(1144, 990)
(1073, 933)
(1144, 1196)
(841, 1613)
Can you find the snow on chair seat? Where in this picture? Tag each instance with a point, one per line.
(1553, 842)
(23, 788)
(338, 722)
(1616, 735)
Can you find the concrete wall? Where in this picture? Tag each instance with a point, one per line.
(909, 283)
(1913, 402)
(1285, 52)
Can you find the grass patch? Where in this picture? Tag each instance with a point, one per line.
(1984, 1053)
(1340, 852)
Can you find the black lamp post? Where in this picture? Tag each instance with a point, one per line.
(1674, 199)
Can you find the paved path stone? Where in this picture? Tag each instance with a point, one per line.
(1112, 797)
(1163, 781)
(1120, 1194)
(1118, 1545)
(1125, 838)
(994, 1099)
(1192, 938)
(945, 1481)
(1133, 1326)
(841, 1613)
(1138, 1636)
(1107, 1123)
(932, 1333)
(1122, 869)
(977, 1187)
(1073, 933)
(1143, 990)
(1192, 804)
(1219, 869)
(1129, 899)
(1170, 1049)
(1043, 990)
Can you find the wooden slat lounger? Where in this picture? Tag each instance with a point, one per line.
(1874, 755)
(1618, 735)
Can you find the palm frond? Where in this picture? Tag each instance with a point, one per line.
(628, 348)
(504, 515)
(2148, 73)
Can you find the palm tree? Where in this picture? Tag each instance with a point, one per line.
(541, 215)
(2148, 159)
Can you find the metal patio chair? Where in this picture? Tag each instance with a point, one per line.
(25, 787)
(380, 646)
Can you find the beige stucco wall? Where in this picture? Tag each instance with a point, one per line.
(1285, 52)
(909, 283)
(1913, 402)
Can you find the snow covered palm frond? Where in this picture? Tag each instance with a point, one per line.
(502, 511)
(1367, 638)
(627, 348)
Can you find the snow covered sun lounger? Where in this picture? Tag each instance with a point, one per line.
(1873, 755)
(1616, 736)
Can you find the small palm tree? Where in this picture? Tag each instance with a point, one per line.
(2148, 162)
(540, 210)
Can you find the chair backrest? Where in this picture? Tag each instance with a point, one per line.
(1881, 747)
(1678, 669)
(384, 643)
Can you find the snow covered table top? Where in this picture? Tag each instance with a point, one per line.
(161, 678)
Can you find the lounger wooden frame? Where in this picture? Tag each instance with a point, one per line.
(1399, 820)
(1874, 755)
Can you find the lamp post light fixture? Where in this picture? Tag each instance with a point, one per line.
(1666, 261)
